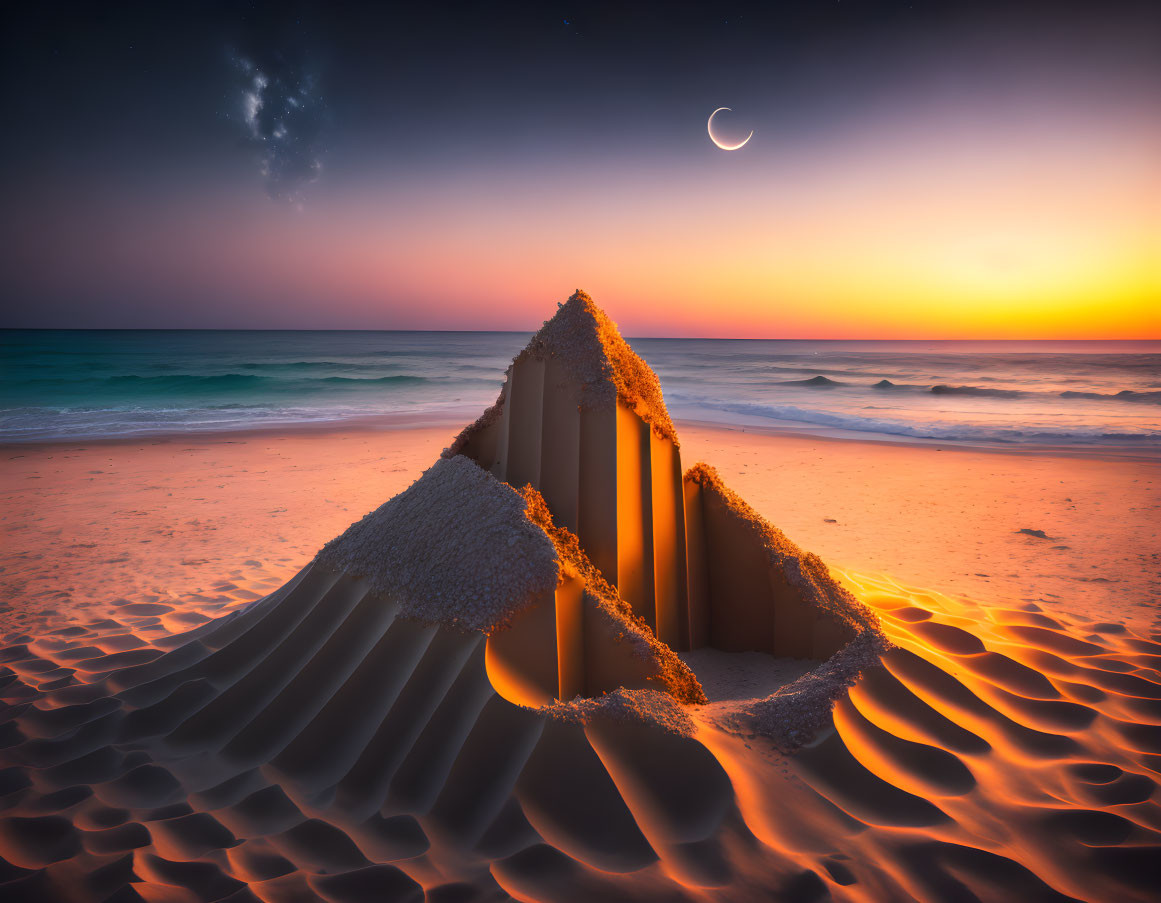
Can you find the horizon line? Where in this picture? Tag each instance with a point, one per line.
(676, 338)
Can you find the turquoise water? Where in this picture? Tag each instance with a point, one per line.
(74, 384)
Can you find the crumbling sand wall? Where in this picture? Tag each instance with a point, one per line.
(752, 588)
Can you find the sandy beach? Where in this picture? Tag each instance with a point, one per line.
(224, 519)
(554, 656)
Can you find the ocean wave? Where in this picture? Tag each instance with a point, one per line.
(133, 386)
(215, 380)
(108, 382)
(815, 382)
(1123, 395)
(307, 366)
(976, 390)
(883, 385)
(962, 432)
(50, 424)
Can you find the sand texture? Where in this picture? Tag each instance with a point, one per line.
(457, 547)
(487, 689)
(998, 754)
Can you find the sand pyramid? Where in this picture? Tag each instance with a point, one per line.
(481, 691)
(454, 675)
(636, 561)
(581, 420)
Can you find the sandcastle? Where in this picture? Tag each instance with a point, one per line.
(486, 664)
(581, 420)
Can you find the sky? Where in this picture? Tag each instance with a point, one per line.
(917, 170)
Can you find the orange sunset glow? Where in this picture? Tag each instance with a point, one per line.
(927, 234)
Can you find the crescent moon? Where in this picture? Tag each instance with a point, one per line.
(709, 126)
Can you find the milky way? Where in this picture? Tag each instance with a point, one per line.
(281, 111)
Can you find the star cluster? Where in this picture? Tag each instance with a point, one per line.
(281, 111)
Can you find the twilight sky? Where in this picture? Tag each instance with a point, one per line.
(918, 170)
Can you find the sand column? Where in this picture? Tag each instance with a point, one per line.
(632, 523)
(697, 575)
(607, 476)
(670, 588)
(634, 515)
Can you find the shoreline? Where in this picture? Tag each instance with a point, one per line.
(1111, 452)
(88, 523)
(375, 423)
(385, 424)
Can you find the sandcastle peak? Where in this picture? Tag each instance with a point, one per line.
(588, 353)
(591, 347)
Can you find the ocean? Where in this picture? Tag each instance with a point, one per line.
(82, 384)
